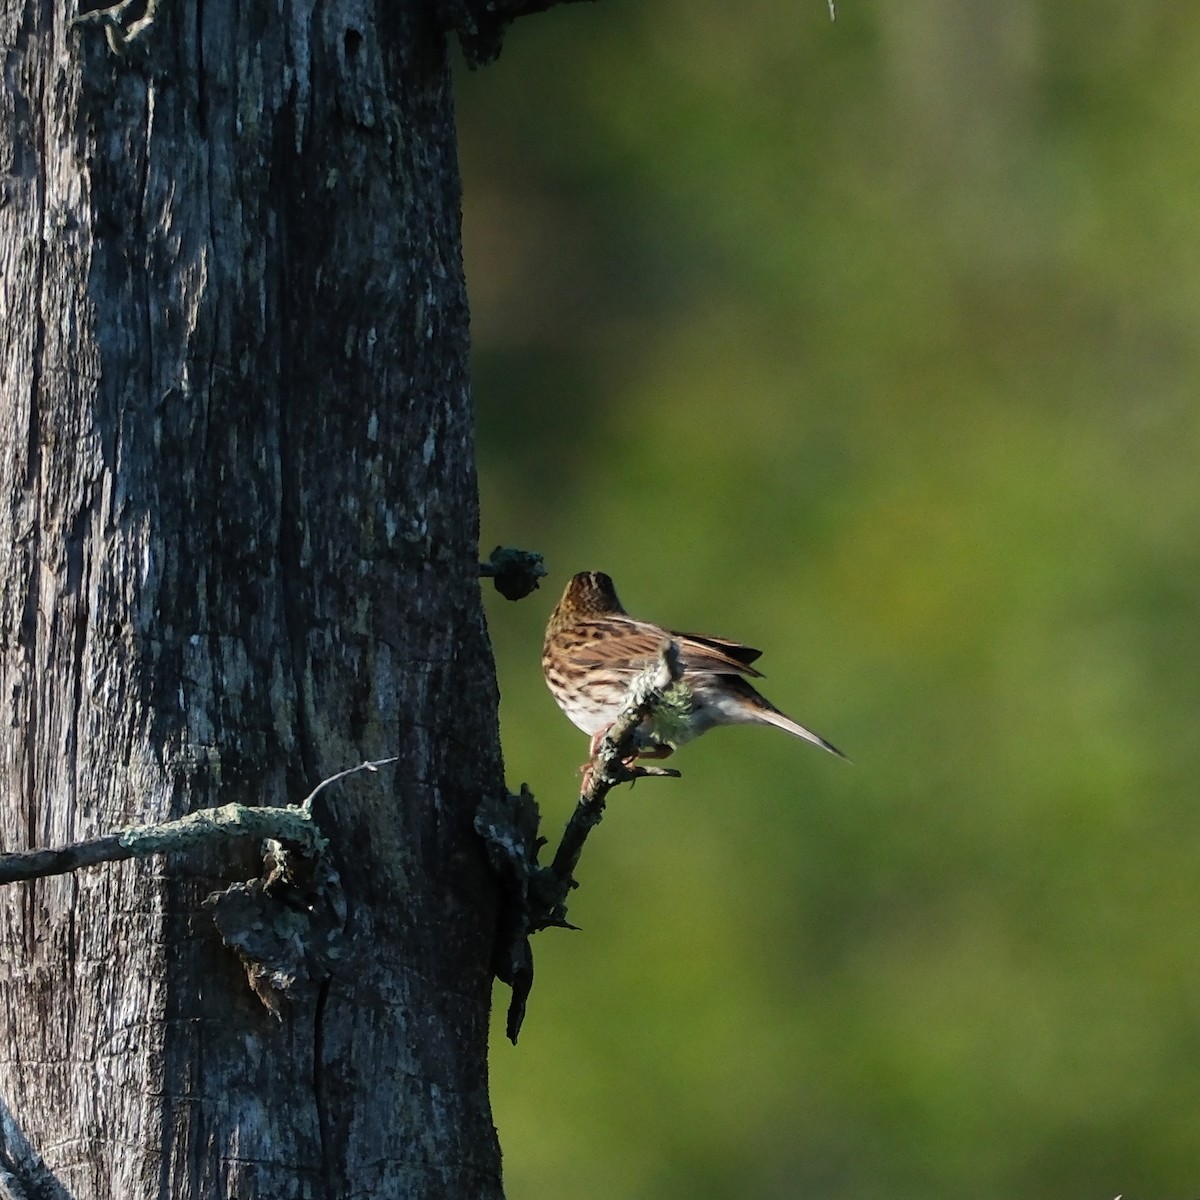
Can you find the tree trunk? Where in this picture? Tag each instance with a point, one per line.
(238, 555)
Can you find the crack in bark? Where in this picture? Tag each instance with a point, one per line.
(320, 1098)
(33, 488)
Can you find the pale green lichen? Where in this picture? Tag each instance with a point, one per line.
(287, 824)
(669, 722)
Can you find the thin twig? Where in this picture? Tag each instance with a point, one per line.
(306, 803)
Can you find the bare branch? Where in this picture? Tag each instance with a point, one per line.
(230, 821)
(23, 1172)
(292, 824)
(536, 896)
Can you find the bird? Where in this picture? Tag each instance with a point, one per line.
(594, 650)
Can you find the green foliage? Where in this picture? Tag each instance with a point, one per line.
(873, 344)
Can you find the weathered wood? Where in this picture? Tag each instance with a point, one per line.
(238, 551)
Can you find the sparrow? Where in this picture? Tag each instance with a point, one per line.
(594, 650)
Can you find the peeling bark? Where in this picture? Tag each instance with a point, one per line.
(238, 554)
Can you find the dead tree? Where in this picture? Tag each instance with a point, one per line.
(238, 553)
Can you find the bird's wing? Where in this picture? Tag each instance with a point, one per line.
(617, 643)
(744, 655)
(697, 655)
(626, 646)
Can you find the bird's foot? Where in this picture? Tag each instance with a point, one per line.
(659, 751)
(629, 770)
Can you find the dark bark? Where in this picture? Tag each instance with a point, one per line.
(238, 536)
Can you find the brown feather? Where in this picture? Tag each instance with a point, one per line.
(594, 650)
(744, 654)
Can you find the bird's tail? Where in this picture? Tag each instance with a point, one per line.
(772, 716)
(742, 704)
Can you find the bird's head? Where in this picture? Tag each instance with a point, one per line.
(590, 593)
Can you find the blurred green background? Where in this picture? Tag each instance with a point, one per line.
(875, 344)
